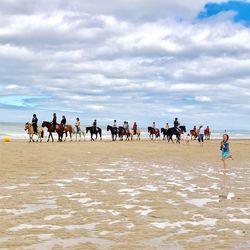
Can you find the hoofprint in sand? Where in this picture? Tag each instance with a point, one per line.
(111, 196)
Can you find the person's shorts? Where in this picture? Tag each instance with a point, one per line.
(225, 154)
(201, 138)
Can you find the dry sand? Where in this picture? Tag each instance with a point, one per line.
(123, 195)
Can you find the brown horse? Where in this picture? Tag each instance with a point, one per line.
(153, 131)
(194, 134)
(59, 130)
(123, 132)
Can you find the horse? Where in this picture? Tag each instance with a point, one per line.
(94, 131)
(40, 133)
(59, 130)
(207, 134)
(114, 132)
(123, 132)
(164, 132)
(138, 133)
(194, 134)
(177, 133)
(78, 132)
(154, 131)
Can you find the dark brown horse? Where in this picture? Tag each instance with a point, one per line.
(59, 130)
(153, 132)
(94, 131)
(114, 132)
(123, 132)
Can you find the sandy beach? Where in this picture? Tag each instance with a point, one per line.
(123, 195)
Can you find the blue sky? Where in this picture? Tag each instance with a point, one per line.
(93, 60)
(241, 10)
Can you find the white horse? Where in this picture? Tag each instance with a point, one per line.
(138, 133)
(79, 133)
(29, 128)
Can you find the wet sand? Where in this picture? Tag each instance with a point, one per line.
(123, 195)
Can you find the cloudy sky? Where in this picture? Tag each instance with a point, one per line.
(140, 60)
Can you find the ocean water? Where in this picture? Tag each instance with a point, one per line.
(16, 131)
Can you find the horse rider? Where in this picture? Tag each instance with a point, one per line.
(176, 124)
(34, 123)
(77, 125)
(154, 126)
(114, 124)
(135, 128)
(54, 121)
(63, 121)
(167, 126)
(207, 130)
(95, 125)
(195, 129)
(126, 126)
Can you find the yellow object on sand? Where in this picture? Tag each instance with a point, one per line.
(6, 139)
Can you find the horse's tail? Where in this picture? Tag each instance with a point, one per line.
(42, 134)
(100, 132)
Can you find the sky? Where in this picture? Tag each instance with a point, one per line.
(140, 60)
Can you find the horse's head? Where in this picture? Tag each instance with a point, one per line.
(27, 126)
(108, 127)
(162, 130)
(43, 124)
(87, 129)
(149, 129)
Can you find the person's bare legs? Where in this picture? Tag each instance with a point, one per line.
(224, 164)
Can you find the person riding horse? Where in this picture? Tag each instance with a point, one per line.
(115, 124)
(63, 121)
(34, 123)
(95, 125)
(167, 126)
(135, 128)
(54, 121)
(176, 124)
(77, 125)
(126, 126)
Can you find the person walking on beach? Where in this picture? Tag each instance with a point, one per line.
(54, 121)
(201, 135)
(225, 151)
(63, 121)
(34, 123)
(77, 125)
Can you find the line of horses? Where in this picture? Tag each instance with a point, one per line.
(116, 132)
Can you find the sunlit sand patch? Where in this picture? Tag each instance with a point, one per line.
(30, 226)
(132, 192)
(205, 222)
(5, 196)
(145, 210)
(75, 195)
(239, 232)
(31, 208)
(119, 178)
(200, 238)
(106, 170)
(10, 187)
(242, 220)
(151, 188)
(183, 195)
(90, 226)
(71, 242)
(58, 216)
(201, 202)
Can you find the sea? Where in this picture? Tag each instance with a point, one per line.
(16, 131)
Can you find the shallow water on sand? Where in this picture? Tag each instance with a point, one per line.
(107, 206)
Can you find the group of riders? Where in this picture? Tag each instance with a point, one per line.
(194, 132)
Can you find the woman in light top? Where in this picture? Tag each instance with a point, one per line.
(77, 125)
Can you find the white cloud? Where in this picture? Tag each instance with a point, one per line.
(96, 57)
(202, 99)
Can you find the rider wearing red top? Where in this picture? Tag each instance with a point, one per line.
(135, 127)
(195, 129)
(207, 130)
